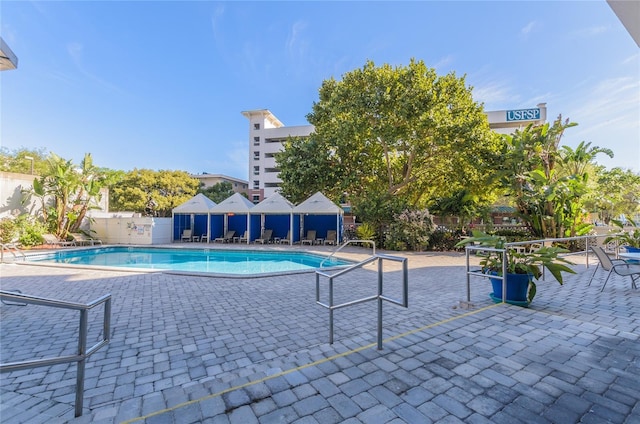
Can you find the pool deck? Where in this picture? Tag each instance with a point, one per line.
(191, 349)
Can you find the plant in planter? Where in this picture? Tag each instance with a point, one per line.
(630, 240)
(523, 268)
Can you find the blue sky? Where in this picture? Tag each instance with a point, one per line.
(161, 84)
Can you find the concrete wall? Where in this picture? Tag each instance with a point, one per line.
(11, 186)
(132, 230)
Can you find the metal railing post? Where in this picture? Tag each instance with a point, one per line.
(467, 252)
(82, 353)
(380, 304)
(380, 297)
(331, 310)
(504, 276)
(83, 330)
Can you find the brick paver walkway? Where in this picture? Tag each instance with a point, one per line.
(188, 349)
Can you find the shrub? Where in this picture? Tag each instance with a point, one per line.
(8, 230)
(30, 231)
(443, 239)
(365, 231)
(411, 230)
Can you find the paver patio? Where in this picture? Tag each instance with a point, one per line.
(187, 349)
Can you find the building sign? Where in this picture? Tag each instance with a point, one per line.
(523, 115)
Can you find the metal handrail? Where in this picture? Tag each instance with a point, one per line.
(83, 352)
(380, 297)
(373, 243)
(8, 247)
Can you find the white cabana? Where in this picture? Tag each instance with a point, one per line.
(193, 215)
(317, 213)
(236, 210)
(276, 214)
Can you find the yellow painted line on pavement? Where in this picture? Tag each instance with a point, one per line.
(311, 364)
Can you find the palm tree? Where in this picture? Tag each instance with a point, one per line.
(576, 162)
(66, 193)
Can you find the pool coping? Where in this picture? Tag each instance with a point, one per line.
(180, 272)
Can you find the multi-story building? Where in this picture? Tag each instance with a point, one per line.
(209, 180)
(267, 133)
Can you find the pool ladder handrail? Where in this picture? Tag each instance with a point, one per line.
(13, 249)
(346, 243)
(83, 352)
(380, 297)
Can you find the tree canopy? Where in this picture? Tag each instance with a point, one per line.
(218, 192)
(402, 132)
(152, 192)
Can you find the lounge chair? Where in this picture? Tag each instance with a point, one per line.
(287, 239)
(618, 266)
(83, 240)
(310, 238)
(52, 240)
(186, 235)
(266, 237)
(331, 237)
(226, 238)
(244, 238)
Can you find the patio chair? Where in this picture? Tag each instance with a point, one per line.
(186, 235)
(331, 237)
(52, 240)
(244, 238)
(535, 246)
(287, 239)
(226, 238)
(266, 237)
(83, 240)
(310, 238)
(618, 266)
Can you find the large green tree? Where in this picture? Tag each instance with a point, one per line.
(615, 192)
(400, 132)
(152, 192)
(218, 192)
(24, 160)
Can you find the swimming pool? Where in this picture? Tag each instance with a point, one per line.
(215, 261)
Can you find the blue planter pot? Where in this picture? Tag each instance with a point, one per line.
(632, 249)
(517, 289)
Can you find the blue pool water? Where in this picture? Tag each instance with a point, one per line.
(239, 262)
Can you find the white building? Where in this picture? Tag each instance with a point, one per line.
(209, 180)
(267, 133)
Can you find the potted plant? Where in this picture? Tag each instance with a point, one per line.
(630, 240)
(523, 268)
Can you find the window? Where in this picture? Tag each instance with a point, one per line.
(256, 198)
(256, 170)
(256, 184)
(256, 141)
(256, 126)
(256, 155)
